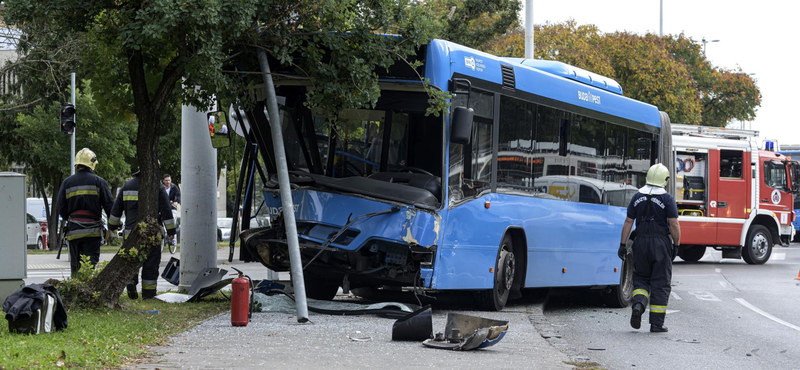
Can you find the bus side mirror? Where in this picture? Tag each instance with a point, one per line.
(461, 127)
(218, 129)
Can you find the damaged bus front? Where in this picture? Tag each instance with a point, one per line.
(367, 192)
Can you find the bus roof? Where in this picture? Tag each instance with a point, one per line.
(547, 79)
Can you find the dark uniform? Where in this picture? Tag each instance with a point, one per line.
(652, 251)
(81, 199)
(174, 195)
(128, 202)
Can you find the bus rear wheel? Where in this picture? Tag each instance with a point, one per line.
(757, 246)
(692, 254)
(496, 298)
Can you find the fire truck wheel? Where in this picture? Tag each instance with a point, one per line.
(620, 296)
(495, 299)
(691, 254)
(320, 288)
(758, 245)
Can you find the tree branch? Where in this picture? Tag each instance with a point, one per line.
(172, 74)
(141, 97)
(20, 106)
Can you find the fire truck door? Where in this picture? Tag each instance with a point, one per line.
(732, 196)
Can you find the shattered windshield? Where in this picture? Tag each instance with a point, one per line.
(395, 142)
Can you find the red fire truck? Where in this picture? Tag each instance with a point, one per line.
(731, 195)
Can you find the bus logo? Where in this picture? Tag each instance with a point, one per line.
(589, 97)
(469, 62)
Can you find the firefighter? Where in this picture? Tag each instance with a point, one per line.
(656, 216)
(128, 202)
(81, 199)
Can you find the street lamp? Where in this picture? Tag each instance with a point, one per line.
(704, 41)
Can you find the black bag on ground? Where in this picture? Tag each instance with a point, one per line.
(34, 309)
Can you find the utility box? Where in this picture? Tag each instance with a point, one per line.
(14, 261)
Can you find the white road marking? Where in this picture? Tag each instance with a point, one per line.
(778, 257)
(676, 296)
(704, 296)
(719, 271)
(762, 313)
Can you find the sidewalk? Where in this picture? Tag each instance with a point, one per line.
(277, 338)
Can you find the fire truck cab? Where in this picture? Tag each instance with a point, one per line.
(731, 195)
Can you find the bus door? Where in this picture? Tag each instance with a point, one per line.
(732, 194)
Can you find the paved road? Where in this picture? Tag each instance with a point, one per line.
(723, 314)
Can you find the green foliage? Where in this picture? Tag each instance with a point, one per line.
(475, 23)
(47, 150)
(668, 72)
(102, 339)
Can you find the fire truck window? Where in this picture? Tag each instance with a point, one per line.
(730, 164)
(775, 175)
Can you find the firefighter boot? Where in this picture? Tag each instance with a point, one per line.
(148, 293)
(636, 316)
(658, 329)
(131, 288)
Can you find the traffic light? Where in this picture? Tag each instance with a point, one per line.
(67, 119)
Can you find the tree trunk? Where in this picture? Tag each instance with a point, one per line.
(108, 285)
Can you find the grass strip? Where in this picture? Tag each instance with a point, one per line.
(103, 338)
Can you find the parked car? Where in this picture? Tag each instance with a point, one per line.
(36, 232)
(224, 225)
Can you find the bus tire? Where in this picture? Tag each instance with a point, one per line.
(620, 296)
(757, 246)
(496, 298)
(692, 254)
(320, 288)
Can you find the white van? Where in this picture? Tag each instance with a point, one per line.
(36, 208)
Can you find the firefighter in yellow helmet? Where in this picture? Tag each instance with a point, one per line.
(656, 215)
(81, 199)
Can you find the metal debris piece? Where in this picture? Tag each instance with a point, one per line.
(415, 326)
(465, 332)
(359, 337)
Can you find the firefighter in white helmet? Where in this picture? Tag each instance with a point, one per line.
(656, 215)
(81, 199)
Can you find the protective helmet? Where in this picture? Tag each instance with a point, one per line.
(658, 175)
(87, 158)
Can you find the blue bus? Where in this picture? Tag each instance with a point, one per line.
(793, 151)
(524, 184)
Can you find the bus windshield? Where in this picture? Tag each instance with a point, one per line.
(350, 156)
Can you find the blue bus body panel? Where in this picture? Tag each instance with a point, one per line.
(334, 210)
(571, 72)
(581, 237)
(446, 59)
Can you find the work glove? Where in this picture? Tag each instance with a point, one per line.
(675, 250)
(622, 252)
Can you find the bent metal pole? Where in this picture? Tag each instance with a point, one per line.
(286, 191)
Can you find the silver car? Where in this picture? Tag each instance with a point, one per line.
(36, 232)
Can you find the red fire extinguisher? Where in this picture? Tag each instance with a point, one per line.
(240, 299)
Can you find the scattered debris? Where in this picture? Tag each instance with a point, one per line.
(209, 281)
(416, 326)
(465, 332)
(358, 337)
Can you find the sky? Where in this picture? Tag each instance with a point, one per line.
(758, 36)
